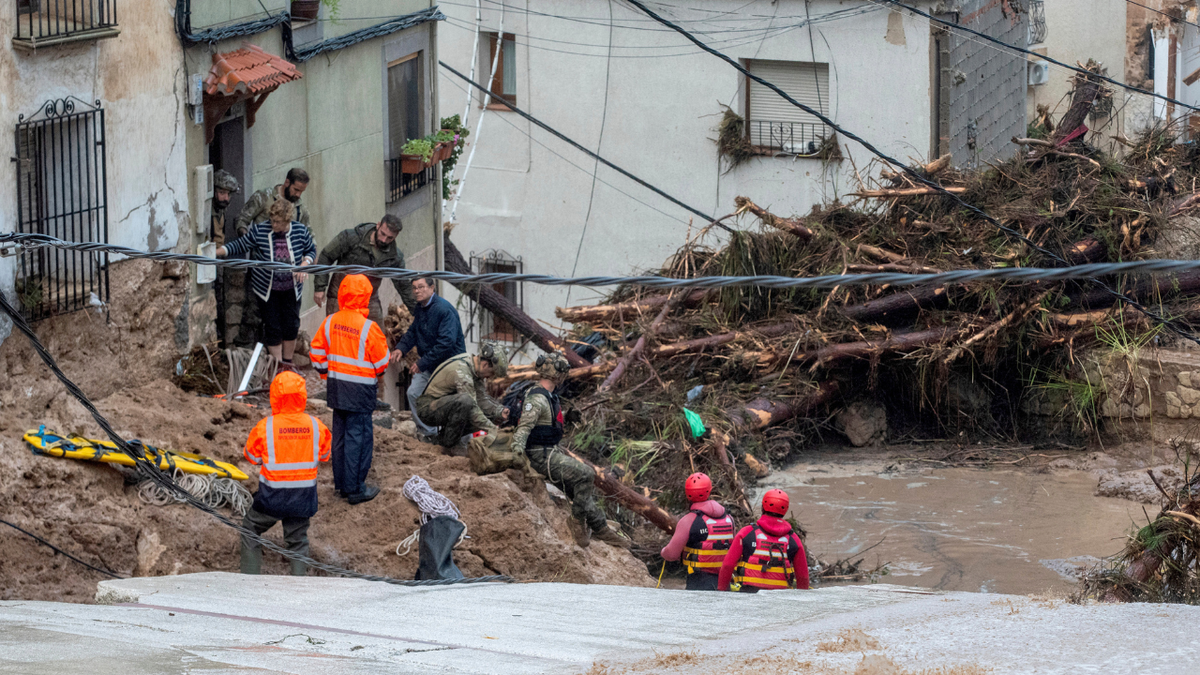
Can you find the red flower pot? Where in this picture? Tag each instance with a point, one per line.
(412, 164)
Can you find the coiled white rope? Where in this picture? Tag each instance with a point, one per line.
(432, 504)
(213, 491)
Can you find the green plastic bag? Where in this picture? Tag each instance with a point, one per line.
(695, 423)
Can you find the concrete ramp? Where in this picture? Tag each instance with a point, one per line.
(229, 623)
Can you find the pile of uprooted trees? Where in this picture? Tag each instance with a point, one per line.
(767, 368)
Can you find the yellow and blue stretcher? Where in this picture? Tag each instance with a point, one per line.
(44, 442)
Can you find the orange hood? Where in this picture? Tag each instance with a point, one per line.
(289, 394)
(355, 293)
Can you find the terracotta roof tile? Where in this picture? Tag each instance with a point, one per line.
(248, 70)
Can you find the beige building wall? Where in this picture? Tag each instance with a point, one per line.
(1078, 30)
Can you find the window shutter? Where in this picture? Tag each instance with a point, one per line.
(808, 83)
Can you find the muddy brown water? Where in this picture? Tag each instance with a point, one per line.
(963, 529)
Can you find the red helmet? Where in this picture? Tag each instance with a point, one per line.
(697, 487)
(775, 502)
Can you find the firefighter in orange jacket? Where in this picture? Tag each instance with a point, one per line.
(350, 352)
(287, 446)
(766, 555)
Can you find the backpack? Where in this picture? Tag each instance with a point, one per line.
(514, 401)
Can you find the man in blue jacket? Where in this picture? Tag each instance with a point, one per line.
(437, 334)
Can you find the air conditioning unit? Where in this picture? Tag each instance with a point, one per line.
(202, 194)
(1039, 72)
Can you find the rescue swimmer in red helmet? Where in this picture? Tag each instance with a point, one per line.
(766, 555)
(702, 536)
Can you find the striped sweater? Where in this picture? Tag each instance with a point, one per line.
(257, 242)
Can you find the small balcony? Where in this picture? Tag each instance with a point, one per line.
(804, 139)
(402, 184)
(43, 23)
(1037, 22)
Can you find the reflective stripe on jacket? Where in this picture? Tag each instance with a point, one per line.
(350, 351)
(708, 541)
(766, 561)
(287, 446)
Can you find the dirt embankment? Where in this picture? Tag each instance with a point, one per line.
(515, 528)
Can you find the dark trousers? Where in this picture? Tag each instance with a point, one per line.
(295, 536)
(701, 581)
(353, 450)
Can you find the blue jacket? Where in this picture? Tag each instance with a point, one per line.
(436, 333)
(257, 242)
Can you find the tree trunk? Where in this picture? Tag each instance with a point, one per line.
(626, 310)
(1085, 251)
(1081, 106)
(762, 413)
(1184, 283)
(645, 507)
(897, 306)
(500, 306)
(789, 225)
(896, 343)
(907, 192)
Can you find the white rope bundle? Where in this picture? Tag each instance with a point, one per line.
(208, 488)
(432, 504)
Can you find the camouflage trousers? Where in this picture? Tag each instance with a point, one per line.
(574, 478)
(457, 415)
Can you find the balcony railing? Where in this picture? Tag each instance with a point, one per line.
(42, 23)
(1037, 22)
(402, 184)
(794, 138)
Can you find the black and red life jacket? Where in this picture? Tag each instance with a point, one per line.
(766, 560)
(707, 543)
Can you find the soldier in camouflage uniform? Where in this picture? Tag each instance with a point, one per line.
(537, 435)
(456, 397)
(255, 209)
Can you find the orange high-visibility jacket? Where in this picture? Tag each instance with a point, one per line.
(287, 446)
(349, 350)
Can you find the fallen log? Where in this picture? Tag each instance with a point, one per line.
(1085, 251)
(636, 351)
(894, 343)
(1087, 87)
(930, 169)
(762, 412)
(893, 267)
(789, 225)
(612, 487)
(897, 306)
(1158, 288)
(500, 306)
(907, 192)
(880, 254)
(626, 310)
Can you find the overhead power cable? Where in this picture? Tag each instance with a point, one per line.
(1159, 11)
(149, 470)
(591, 154)
(1010, 274)
(1021, 50)
(913, 173)
(58, 550)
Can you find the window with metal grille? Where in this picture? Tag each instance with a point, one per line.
(772, 123)
(492, 327)
(42, 23)
(1037, 22)
(61, 186)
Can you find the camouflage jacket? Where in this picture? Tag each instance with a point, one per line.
(255, 209)
(354, 247)
(537, 412)
(458, 376)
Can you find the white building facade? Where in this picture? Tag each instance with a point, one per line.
(646, 99)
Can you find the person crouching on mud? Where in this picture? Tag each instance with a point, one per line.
(537, 435)
(456, 397)
(766, 555)
(287, 446)
(702, 537)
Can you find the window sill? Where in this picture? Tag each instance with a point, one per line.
(501, 106)
(32, 44)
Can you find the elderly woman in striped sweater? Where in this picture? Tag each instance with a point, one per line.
(284, 240)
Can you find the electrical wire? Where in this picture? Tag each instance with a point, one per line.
(1008, 274)
(707, 218)
(547, 148)
(58, 550)
(915, 175)
(1021, 50)
(1159, 11)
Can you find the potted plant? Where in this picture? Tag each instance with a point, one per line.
(454, 125)
(445, 142)
(415, 155)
